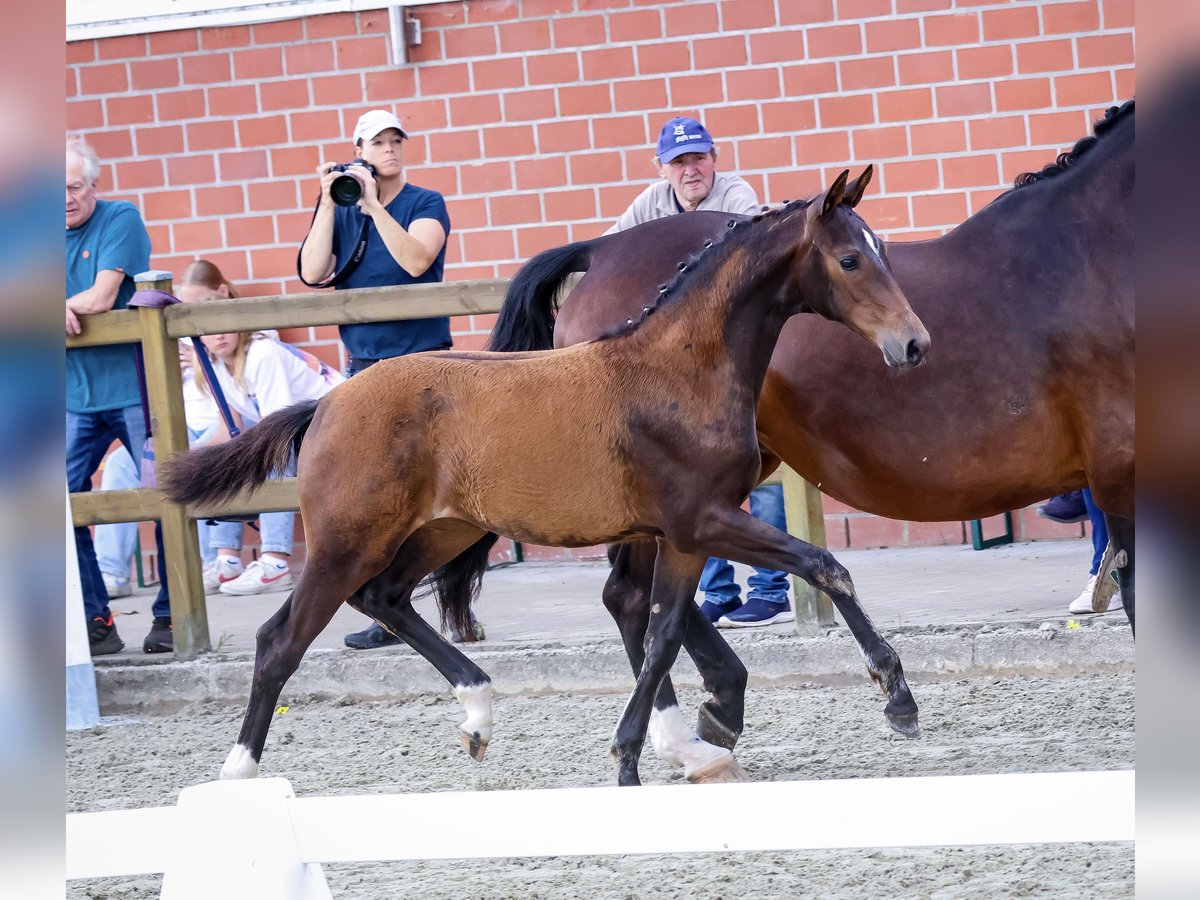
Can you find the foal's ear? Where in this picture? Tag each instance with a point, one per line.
(856, 188)
(833, 196)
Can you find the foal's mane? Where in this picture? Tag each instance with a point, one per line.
(699, 264)
(1065, 161)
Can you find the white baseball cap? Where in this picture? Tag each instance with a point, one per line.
(376, 120)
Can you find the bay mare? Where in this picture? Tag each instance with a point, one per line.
(1029, 393)
(405, 470)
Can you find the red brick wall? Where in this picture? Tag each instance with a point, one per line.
(536, 119)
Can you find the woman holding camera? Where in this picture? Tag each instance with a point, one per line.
(372, 228)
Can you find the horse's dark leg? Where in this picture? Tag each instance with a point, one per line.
(1120, 535)
(387, 598)
(738, 535)
(675, 578)
(627, 598)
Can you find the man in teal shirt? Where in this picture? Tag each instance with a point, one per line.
(106, 244)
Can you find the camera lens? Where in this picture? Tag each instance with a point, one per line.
(346, 190)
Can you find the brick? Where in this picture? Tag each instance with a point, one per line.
(586, 99)
(963, 100)
(491, 11)
(453, 146)
(72, 82)
(112, 145)
(293, 161)
(868, 532)
(267, 196)
(258, 62)
(821, 147)
(776, 46)
(450, 79)
(108, 79)
(129, 46)
(1083, 90)
(522, 37)
(732, 121)
(951, 31)
(752, 84)
(159, 141)
(930, 67)
(1015, 95)
(535, 174)
(863, 9)
(939, 209)
(485, 177)
(160, 235)
(498, 74)
(578, 31)
(508, 141)
(937, 137)
(318, 125)
(664, 58)
(388, 85)
(220, 201)
(726, 52)
(337, 90)
(1029, 526)
(809, 79)
(1126, 83)
(525, 105)
(84, 114)
(790, 184)
(162, 206)
(171, 43)
(475, 109)
(308, 57)
(910, 6)
(932, 534)
(984, 62)
(834, 41)
(891, 35)
(250, 231)
(207, 68)
(293, 226)
(880, 143)
(470, 212)
(910, 176)
(152, 74)
(1058, 128)
(765, 153)
(568, 206)
(236, 100)
(515, 209)
(276, 95)
(695, 91)
(273, 262)
(361, 53)
(639, 26)
(594, 168)
(333, 25)
(869, 72)
(970, 171)
(463, 42)
(218, 135)
(419, 116)
(283, 32)
(1105, 51)
(978, 199)
(1010, 24)
(81, 52)
(263, 131)
(563, 136)
(905, 106)
(995, 132)
(1017, 162)
(738, 15)
(1045, 56)
(190, 236)
(853, 109)
(243, 164)
(1118, 13)
(132, 110)
(553, 8)
(789, 116)
(538, 238)
(138, 174)
(487, 245)
(553, 68)
(1071, 18)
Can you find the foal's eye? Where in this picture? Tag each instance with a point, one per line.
(849, 263)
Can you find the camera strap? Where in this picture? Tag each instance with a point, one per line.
(356, 257)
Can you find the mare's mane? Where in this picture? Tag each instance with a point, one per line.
(1065, 161)
(698, 264)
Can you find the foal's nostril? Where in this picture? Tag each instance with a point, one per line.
(913, 352)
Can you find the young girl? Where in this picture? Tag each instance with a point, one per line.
(258, 375)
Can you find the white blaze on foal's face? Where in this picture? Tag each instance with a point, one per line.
(872, 241)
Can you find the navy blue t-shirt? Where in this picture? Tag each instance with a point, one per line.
(383, 340)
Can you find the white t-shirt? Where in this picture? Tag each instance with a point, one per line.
(730, 193)
(276, 375)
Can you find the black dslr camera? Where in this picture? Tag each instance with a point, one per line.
(347, 188)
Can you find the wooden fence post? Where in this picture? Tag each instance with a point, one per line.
(164, 390)
(806, 520)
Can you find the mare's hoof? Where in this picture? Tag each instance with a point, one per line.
(721, 771)
(905, 724)
(475, 746)
(709, 730)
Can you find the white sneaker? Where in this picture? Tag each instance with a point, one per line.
(116, 587)
(260, 576)
(221, 570)
(1082, 605)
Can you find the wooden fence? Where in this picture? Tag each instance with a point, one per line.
(158, 330)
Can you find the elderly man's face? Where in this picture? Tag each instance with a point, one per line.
(691, 175)
(81, 196)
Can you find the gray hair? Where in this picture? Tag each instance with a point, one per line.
(83, 150)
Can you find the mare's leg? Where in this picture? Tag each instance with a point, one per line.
(627, 598)
(1120, 535)
(387, 598)
(675, 578)
(738, 535)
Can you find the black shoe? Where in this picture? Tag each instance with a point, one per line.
(103, 638)
(374, 635)
(1066, 509)
(160, 639)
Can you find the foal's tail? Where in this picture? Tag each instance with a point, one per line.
(526, 320)
(457, 584)
(220, 472)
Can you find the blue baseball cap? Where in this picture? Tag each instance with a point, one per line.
(682, 135)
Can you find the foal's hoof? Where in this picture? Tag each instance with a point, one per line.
(711, 731)
(904, 724)
(721, 771)
(475, 746)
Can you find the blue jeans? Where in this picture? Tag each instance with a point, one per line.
(1099, 532)
(275, 529)
(89, 435)
(766, 505)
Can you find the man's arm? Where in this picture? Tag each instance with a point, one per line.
(100, 297)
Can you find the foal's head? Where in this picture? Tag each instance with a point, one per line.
(846, 276)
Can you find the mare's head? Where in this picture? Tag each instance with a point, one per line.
(842, 273)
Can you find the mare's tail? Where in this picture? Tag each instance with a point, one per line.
(220, 472)
(457, 584)
(526, 320)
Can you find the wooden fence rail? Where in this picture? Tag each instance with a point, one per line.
(158, 329)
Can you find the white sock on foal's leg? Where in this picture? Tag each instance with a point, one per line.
(239, 764)
(675, 743)
(477, 729)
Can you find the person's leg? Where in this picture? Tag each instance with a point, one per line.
(207, 554)
(767, 589)
(87, 439)
(1099, 531)
(1097, 595)
(115, 543)
(721, 593)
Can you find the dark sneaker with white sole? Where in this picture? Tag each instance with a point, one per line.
(1065, 509)
(103, 638)
(755, 612)
(714, 611)
(374, 635)
(161, 638)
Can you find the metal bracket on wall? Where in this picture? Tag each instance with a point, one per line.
(405, 32)
(1006, 537)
